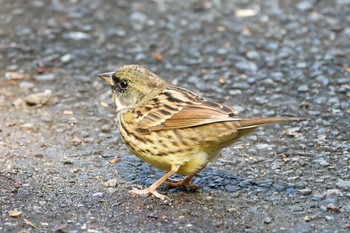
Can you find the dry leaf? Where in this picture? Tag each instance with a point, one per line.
(157, 56)
(16, 76)
(44, 69)
(115, 160)
(14, 213)
(112, 183)
(331, 207)
(76, 141)
(222, 80)
(75, 170)
(293, 133)
(68, 112)
(29, 223)
(246, 31)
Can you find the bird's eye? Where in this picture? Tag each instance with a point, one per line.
(123, 84)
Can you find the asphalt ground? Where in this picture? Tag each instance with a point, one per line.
(64, 168)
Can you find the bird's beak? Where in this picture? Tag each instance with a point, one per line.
(107, 77)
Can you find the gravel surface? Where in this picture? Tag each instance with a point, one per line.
(64, 168)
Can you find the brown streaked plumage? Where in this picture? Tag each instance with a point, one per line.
(172, 128)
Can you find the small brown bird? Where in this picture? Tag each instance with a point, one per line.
(172, 128)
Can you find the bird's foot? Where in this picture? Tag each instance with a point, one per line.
(183, 182)
(148, 192)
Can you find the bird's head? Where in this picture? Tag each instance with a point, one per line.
(133, 85)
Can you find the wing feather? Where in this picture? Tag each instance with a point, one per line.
(178, 108)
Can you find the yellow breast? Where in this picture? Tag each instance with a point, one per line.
(193, 148)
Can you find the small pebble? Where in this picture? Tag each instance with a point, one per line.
(106, 128)
(68, 162)
(26, 86)
(45, 77)
(66, 58)
(305, 191)
(112, 183)
(77, 36)
(329, 218)
(98, 194)
(246, 66)
(253, 54)
(18, 102)
(138, 20)
(303, 88)
(343, 184)
(321, 161)
(40, 98)
(317, 197)
(304, 6)
(307, 219)
(267, 220)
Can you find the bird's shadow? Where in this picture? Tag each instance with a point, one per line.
(134, 171)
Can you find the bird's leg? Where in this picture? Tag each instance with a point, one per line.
(172, 180)
(183, 182)
(152, 190)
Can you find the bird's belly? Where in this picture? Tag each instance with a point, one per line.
(195, 162)
(192, 148)
(198, 161)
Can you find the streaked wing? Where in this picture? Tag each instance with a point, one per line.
(179, 108)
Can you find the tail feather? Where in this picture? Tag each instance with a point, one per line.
(247, 123)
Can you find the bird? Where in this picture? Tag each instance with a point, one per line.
(172, 128)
